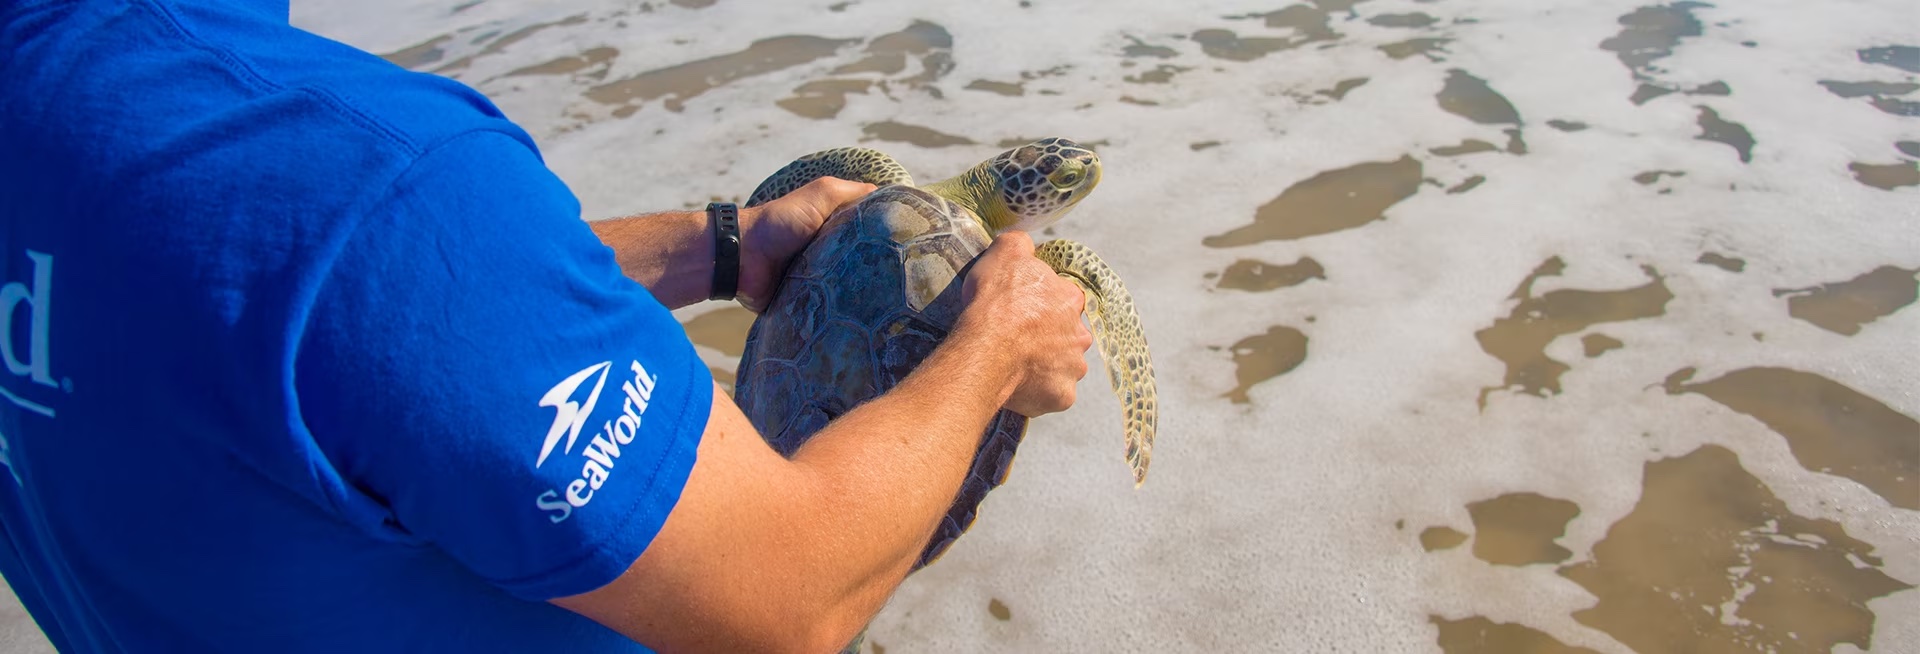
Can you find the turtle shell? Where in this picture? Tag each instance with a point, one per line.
(858, 310)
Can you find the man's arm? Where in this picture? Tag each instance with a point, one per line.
(671, 253)
(767, 554)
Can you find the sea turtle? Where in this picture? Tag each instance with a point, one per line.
(874, 293)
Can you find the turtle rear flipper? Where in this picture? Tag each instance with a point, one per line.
(1123, 345)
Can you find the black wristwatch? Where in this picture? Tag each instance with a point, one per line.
(726, 249)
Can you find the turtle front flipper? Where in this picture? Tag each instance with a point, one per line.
(855, 164)
(1123, 345)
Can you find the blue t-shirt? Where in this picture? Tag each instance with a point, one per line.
(306, 352)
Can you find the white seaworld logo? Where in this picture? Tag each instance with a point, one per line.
(604, 448)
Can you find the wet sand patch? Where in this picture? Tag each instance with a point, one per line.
(1712, 88)
(1479, 635)
(822, 99)
(1567, 125)
(1225, 44)
(1467, 184)
(925, 137)
(1138, 48)
(1881, 95)
(1842, 307)
(1259, 276)
(1430, 47)
(1858, 89)
(1309, 23)
(1336, 5)
(1719, 130)
(570, 65)
(501, 44)
(1595, 344)
(1651, 177)
(1909, 148)
(693, 4)
(1342, 87)
(1646, 92)
(1265, 356)
(1895, 106)
(683, 82)
(1903, 57)
(1520, 529)
(1651, 33)
(1886, 177)
(1723, 262)
(1434, 539)
(1830, 428)
(1520, 339)
(1009, 89)
(1710, 560)
(887, 54)
(1469, 146)
(1413, 20)
(419, 54)
(1015, 89)
(723, 329)
(1331, 201)
(1471, 98)
(1160, 74)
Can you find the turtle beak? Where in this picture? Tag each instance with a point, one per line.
(1093, 178)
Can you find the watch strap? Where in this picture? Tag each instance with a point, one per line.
(725, 217)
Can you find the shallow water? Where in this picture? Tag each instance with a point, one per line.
(1383, 445)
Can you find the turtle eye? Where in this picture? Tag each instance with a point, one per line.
(1068, 175)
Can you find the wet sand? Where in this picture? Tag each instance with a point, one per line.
(1689, 427)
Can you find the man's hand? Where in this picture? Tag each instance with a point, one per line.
(1034, 315)
(671, 253)
(772, 233)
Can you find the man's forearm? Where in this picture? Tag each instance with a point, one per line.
(771, 553)
(886, 473)
(670, 253)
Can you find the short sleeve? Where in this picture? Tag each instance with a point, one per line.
(476, 363)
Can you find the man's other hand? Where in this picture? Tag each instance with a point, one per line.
(1033, 314)
(772, 233)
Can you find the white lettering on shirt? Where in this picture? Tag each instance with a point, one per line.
(602, 454)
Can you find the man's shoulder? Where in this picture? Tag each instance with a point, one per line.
(221, 74)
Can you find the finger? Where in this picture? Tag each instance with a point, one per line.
(1069, 294)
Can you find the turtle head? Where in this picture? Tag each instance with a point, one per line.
(1039, 182)
(1025, 188)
